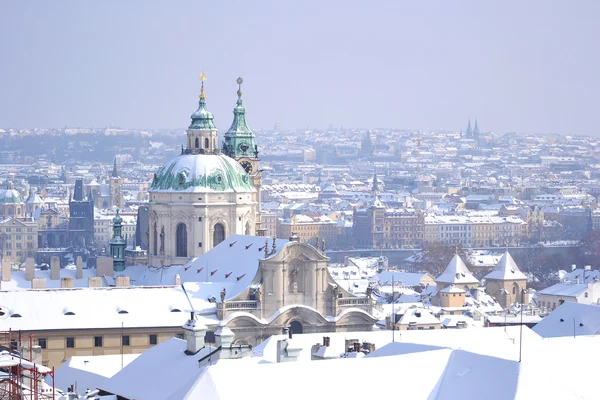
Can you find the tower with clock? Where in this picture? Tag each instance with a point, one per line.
(239, 143)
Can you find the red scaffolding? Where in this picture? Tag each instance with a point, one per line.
(20, 377)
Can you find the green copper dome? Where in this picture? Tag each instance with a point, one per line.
(10, 195)
(202, 118)
(202, 173)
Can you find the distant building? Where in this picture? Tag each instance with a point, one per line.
(81, 218)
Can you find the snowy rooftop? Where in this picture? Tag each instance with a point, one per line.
(570, 319)
(457, 272)
(506, 269)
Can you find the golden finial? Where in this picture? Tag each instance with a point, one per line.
(202, 78)
(239, 82)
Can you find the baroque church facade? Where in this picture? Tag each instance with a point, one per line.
(205, 194)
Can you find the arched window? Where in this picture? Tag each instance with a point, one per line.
(514, 290)
(247, 228)
(181, 240)
(206, 143)
(197, 143)
(218, 234)
(155, 240)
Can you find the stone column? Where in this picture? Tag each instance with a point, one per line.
(79, 263)
(54, 268)
(6, 268)
(29, 268)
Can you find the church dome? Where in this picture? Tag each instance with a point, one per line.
(10, 195)
(202, 173)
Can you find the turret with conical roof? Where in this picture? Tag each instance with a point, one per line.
(457, 273)
(506, 281)
(202, 134)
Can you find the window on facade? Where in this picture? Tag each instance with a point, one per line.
(42, 343)
(586, 294)
(125, 340)
(70, 342)
(181, 240)
(97, 341)
(218, 234)
(206, 143)
(197, 143)
(153, 339)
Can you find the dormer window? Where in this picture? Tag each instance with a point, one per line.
(69, 313)
(123, 312)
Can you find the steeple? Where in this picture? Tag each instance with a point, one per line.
(202, 118)
(239, 138)
(469, 131)
(115, 173)
(375, 186)
(118, 244)
(202, 132)
(476, 133)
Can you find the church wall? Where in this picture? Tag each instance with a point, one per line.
(168, 209)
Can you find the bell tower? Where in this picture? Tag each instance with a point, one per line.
(202, 134)
(240, 144)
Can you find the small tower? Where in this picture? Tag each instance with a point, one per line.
(506, 282)
(469, 132)
(118, 244)
(476, 133)
(116, 187)
(239, 143)
(202, 134)
(375, 186)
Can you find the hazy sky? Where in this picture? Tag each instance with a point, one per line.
(527, 66)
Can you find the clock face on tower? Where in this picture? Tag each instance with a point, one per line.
(247, 165)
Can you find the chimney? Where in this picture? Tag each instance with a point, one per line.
(194, 332)
(326, 341)
(573, 267)
(122, 281)
(588, 268)
(294, 237)
(79, 263)
(29, 268)
(38, 283)
(287, 351)
(177, 281)
(55, 268)
(67, 283)
(94, 281)
(357, 347)
(6, 268)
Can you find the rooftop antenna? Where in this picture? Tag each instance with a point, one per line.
(521, 327)
(193, 312)
(393, 312)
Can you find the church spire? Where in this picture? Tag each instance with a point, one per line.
(239, 138)
(115, 173)
(469, 132)
(202, 118)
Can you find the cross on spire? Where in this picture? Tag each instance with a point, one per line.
(202, 78)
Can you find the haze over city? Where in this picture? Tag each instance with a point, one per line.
(519, 66)
(301, 200)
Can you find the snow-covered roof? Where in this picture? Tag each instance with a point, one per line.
(89, 372)
(567, 289)
(232, 265)
(164, 369)
(570, 319)
(98, 308)
(452, 289)
(457, 273)
(506, 269)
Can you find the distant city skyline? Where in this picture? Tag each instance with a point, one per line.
(525, 67)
